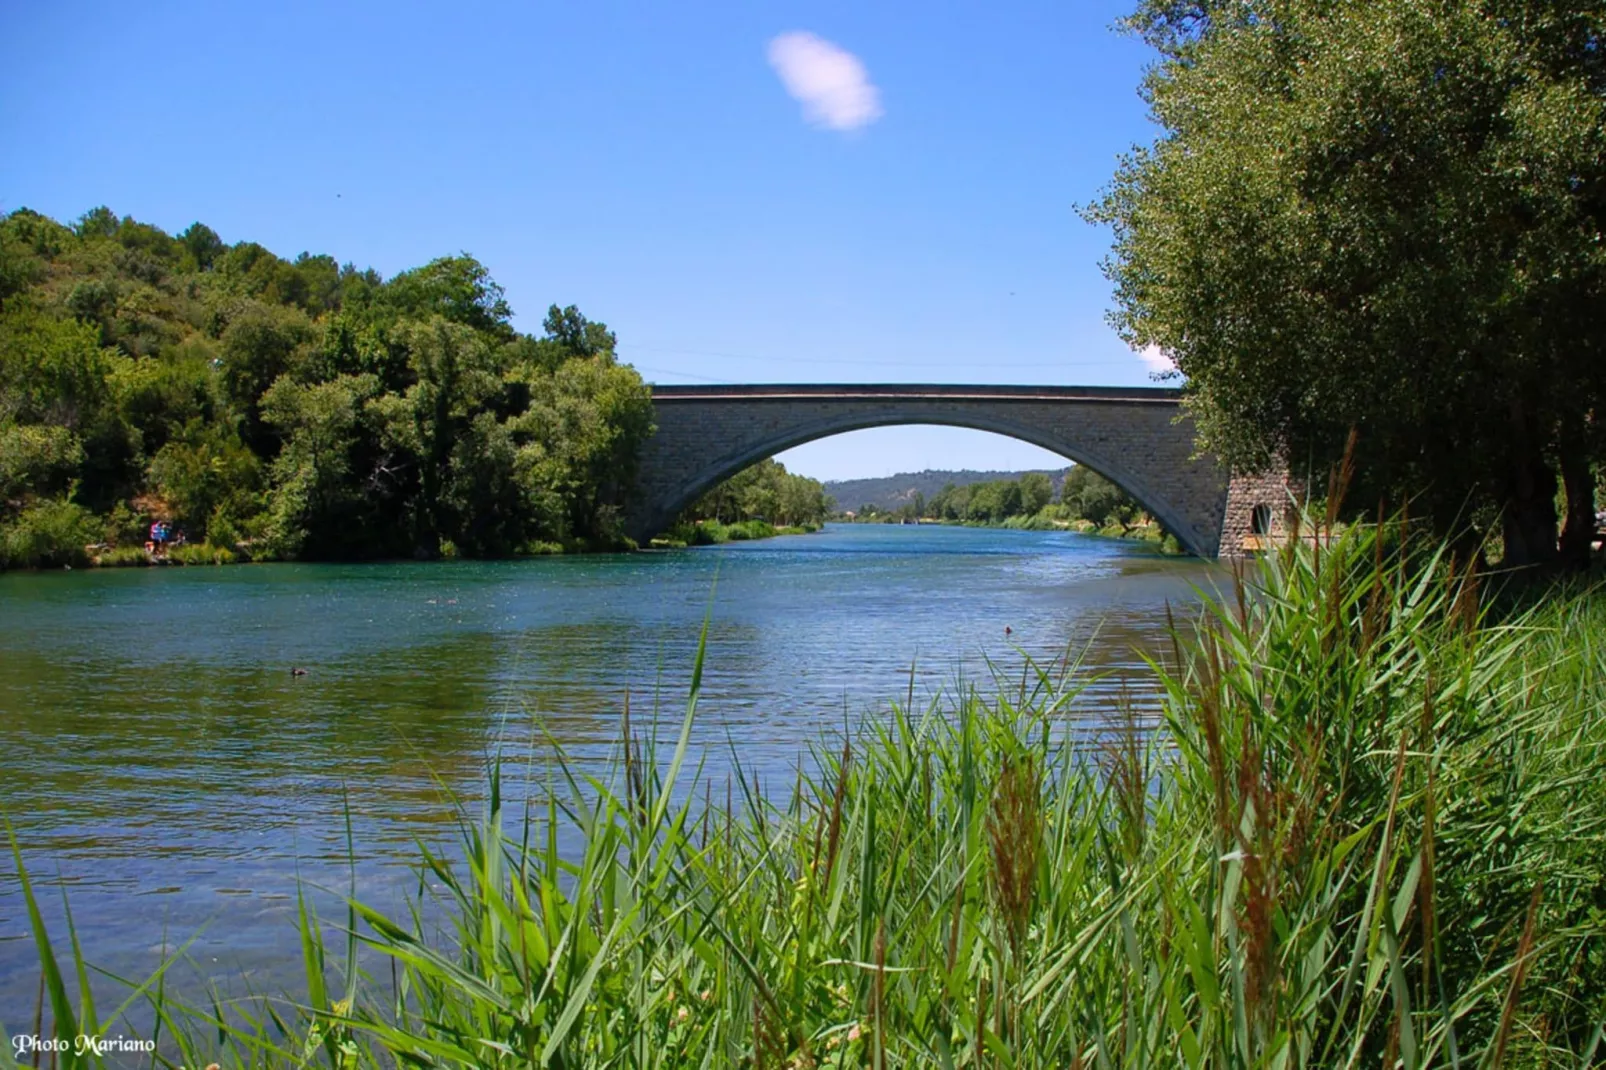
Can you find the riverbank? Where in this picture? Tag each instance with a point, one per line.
(702, 533)
(208, 554)
(1149, 532)
(713, 533)
(1369, 826)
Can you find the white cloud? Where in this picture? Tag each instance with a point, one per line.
(1155, 359)
(830, 83)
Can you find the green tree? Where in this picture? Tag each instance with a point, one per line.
(456, 376)
(951, 502)
(203, 244)
(995, 501)
(577, 335)
(258, 346)
(984, 504)
(204, 472)
(52, 370)
(588, 418)
(95, 301)
(488, 492)
(457, 288)
(1036, 491)
(47, 534)
(98, 222)
(19, 268)
(801, 500)
(37, 459)
(161, 397)
(320, 285)
(1387, 217)
(315, 503)
(764, 491)
(1093, 498)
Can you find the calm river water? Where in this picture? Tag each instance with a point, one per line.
(158, 756)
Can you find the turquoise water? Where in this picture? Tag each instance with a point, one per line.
(158, 755)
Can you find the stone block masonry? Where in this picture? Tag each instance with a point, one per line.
(1136, 437)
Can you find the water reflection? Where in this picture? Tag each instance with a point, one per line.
(158, 754)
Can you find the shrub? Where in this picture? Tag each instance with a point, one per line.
(744, 530)
(123, 557)
(201, 554)
(48, 534)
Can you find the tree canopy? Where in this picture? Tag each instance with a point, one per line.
(765, 491)
(1386, 217)
(294, 408)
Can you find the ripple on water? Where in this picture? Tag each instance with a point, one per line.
(160, 757)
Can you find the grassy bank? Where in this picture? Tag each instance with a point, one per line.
(1056, 518)
(209, 554)
(1370, 831)
(1051, 518)
(713, 532)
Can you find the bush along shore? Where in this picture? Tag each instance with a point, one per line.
(759, 502)
(713, 532)
(1083, 501)
(1369, 830)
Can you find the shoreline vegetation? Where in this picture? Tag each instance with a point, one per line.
(759, 502)
(1369, 829)
(714, 533)
(1083, 501)
(274, 409)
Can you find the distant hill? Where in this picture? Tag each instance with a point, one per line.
(891, 492)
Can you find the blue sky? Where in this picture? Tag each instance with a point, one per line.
(743, 192)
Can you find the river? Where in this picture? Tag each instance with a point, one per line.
(159, 756)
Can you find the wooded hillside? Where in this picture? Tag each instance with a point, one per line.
(293, 408)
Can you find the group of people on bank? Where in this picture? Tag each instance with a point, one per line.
(163, 537)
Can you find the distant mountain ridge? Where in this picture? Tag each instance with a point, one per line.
(891, 492)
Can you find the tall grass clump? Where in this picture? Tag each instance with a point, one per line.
(123, 557)
(201, 554)
(1370, 831)
(714, 532)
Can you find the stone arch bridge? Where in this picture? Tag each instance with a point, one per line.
(1134, 436)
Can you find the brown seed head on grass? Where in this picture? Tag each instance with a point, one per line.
(1259, 897)
(1014, 826)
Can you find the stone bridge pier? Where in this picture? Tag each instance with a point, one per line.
(1134, 436)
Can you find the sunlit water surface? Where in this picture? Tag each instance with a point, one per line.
(159, 757)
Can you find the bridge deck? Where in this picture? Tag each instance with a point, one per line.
(1149, 395)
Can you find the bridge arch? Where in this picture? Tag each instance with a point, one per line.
(1132, 437)
(723, 468)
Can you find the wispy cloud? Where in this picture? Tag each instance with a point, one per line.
(830, 82)
(1155, 359)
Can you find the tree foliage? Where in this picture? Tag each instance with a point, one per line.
(1389, 217)
(766, 491)
(294, 407)
(1083, 495)
(1091, 497)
